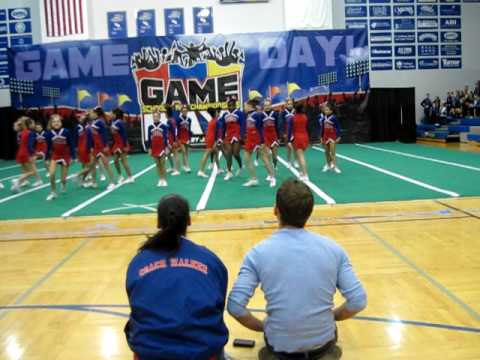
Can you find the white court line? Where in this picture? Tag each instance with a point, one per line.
(18, 175)
(420, 157)
(103, 193)
(15, 166)
(396, 175)
(130, 206)
(145, 207)
(11, 197)
(40, 187)
(202, 203)
(311, 185)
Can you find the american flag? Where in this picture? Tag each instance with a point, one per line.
(64, 17)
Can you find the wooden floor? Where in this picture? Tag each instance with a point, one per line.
(62, 281)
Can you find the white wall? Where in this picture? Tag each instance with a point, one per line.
(35, 13)
(230, 18)
(435, 82)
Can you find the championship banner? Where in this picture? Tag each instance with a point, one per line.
(141, 75)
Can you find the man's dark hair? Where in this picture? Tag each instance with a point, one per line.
(294, 202)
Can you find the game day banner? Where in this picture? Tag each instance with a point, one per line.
(143, 74)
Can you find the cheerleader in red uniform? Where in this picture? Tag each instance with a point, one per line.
(84, 150)
(40, 147)
(101, 151)
(120, 146)
(61, 151)
(232, 127)
(330, 136)
(211, 138)
(172, 127)
(270, 130)
(25, 152)
(184, 124)
(254, 141)
(287, 115)
(157, 145)
(298, 136)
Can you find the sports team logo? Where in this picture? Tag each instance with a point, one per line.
(199, 75)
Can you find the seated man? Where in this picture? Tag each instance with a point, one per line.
(299, 273)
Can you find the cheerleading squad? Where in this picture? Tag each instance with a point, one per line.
(58, 147)
(258, 126)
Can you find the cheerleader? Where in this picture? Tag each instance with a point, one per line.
(298, 136)
(184, 135)
(232, 127)
(61, 150)
(25, 152)
(157, 145)
(270, 130)
(254, 141)
(287, 115)
(101, 151)
(211, 145)
(40, 148)
(330, 136)
(120, 146)
(84, 150)
(172, 127)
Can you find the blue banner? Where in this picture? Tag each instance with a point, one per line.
(428, 37)
(450, 10)
(174, 21)
(380, 11)
(404, 37)
(406, 64)
(381, 37)
(18, 14)
(427, 50)
(3, 14)
(381, 51)
(355, 11)
(146, 25)
(404, 24)
(117, 24)
(143, 74)
(381, 24)
(451, 50)
(428, 64)
(382, 65)
(356, 24)
(203, 20)
(405, 51)
(451, 63)
(451, 36)
(451, 23)
(405, 10)
(427, 10)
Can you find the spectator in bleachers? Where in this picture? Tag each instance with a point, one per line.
(176, 291)
(299, 273)
(426, 104)
(476, 106)
(436, 108)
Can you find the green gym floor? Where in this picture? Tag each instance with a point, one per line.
(370, 173)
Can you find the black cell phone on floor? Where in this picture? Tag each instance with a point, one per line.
(244, 343)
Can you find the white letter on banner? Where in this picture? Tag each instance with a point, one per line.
(77, 63)
(329, 46)
(27, 65)
(272, 53)
(115, 60)
(301, 52)
(54, 65)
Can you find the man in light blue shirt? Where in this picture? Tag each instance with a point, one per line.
(299, 273)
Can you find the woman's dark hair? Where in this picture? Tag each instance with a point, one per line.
(299, 108)
(169, 111)
(173, 218)
(99, 111)
(331, 106)
(118, 113)
(212, 112)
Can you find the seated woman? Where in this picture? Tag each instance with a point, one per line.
(176, 291)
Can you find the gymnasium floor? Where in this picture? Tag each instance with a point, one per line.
(409, 220)
(371, 173)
